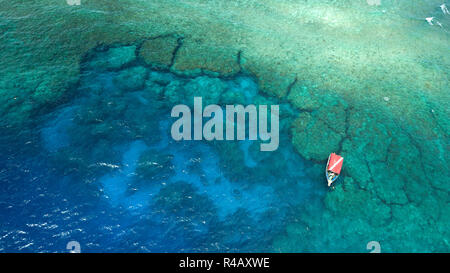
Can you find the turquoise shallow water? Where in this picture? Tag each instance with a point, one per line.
(85, 126)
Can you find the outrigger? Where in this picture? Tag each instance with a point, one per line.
(334, 167)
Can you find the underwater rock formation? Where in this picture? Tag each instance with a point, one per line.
(313, 138)
(131, 79)
(159, 52)
(112, 58)
(192, 60)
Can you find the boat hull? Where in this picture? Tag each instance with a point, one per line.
(330, 172)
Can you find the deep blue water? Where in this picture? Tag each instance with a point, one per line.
(102, 170)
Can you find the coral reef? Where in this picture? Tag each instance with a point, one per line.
(159, 52)
(357, 85)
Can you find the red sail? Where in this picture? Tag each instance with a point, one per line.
(335, 163)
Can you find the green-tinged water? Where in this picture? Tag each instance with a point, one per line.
(368, 80)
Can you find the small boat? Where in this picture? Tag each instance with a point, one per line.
(334, 167)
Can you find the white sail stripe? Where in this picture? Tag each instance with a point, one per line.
(335, 164)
